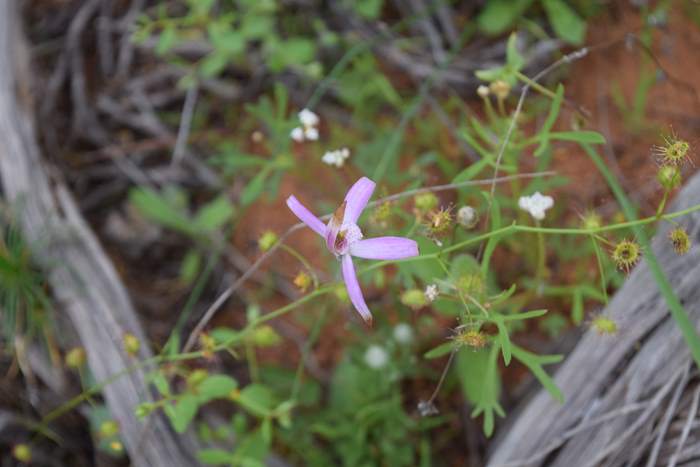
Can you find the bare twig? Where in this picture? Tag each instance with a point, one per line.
(626, 410)
(692, 413)
(670, 411)
(185, 124)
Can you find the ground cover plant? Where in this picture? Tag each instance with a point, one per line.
(356, 233)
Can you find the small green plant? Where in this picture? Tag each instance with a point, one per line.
(24, 303)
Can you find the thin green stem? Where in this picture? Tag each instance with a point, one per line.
(252, 361)
(662, 205)
(308, 345)
(535, 85)
(599, 259)
(541, 256)
(302, 260)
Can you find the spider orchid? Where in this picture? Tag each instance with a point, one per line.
(344, 239)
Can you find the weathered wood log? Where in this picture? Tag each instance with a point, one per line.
(84, 282)
(622, 392)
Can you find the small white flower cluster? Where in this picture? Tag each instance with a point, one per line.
(431, 293)
(308, 129)
(536, 204)
(337, 157)
(376, 357)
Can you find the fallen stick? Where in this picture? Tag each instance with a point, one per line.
(83, 280)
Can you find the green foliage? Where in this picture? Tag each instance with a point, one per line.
(478, 375)
(508, 72)
(23, 300)
(232, 33)
(499, 16)
(169, 209)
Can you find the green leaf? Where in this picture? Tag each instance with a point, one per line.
(503, 296)
(213, 64)
(257, 399)
(440, 350)
(480, 381)
(491, 74)
(216, 387)
(514, 60)
(525, 315)
(159, 209)
(499, 15)
(577, 307)
(567, 24)
(257, 26)
(190, 266)
(255, 187)
(214, 456)
(549, 122)
(471, 171)
(214, 214)
(370, 9)
(226, 41)
(167, 39)
(503, 338)
(184, 411)
(161, 384)
(293, 51)
(224, 335)
(534, 363)
(590, 137)
(233, 160)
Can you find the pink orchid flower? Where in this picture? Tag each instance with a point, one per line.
(344, 238)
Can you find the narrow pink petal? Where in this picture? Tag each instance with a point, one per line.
(357, 197)
(354, 291)
(306, 216)
(385, 248)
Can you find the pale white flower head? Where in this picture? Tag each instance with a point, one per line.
(311, 133)
(376, 357)
(431, 292)
(308, 118)
(297, 134)
(337, 157)
(467, 217)
(307, 131)
(483, 91)
(403, 333)
(536, 204)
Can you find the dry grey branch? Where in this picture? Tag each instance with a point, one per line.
(82, 277)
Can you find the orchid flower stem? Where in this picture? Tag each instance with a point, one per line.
(535, 85)
(308, 345)
(541, 256)
(601, 270)
(303, 261)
